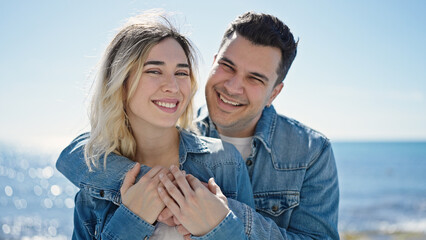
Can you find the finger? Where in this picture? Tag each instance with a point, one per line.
(205, 184)
(168, 222)
(189, 177)
(172, 190)
(194, 182)
(176, 221)
(154, 171)
(212, 186)
(168, 201)
(165, 214)
(187, 237)
(162, 172)
(170, 176)
(181, 181)
(130, 178)
(182, 230)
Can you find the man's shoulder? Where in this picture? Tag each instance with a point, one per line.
(296, 145)
(297, 129)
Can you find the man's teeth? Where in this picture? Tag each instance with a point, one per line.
(166, 105)
(228, 102)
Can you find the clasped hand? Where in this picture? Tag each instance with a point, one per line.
(195, 207)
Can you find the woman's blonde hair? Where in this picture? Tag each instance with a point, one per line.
(126, 54)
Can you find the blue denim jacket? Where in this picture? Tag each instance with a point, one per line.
(98, 209)
(294, 179)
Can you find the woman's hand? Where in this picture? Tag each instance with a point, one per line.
(192, 204)
(142, 198)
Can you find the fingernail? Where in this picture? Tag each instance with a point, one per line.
(172, 167)
(161, 175)
(160, 190)
(183, 171)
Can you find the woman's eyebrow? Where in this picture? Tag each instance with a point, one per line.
(154, 63)
(161, 63)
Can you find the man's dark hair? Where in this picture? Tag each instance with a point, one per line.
(266, 30)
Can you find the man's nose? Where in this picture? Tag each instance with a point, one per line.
(234, 85)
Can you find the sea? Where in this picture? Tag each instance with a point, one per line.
(382, 192)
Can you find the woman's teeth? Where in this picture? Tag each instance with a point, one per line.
(166, 105)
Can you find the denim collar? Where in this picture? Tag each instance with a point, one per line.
(265, 127)
(264, 131)
(190, 143)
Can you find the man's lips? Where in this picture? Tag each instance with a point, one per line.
(224, 99)
(227, 101)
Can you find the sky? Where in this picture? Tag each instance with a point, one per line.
(359, 74)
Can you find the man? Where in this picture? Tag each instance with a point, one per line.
(291, 167)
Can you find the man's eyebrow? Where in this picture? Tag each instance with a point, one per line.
(225, 59)
(182, 65)
(259, 75)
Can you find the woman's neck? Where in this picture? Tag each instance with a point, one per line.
(157, 147)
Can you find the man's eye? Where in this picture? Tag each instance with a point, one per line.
(182, 74)
(257, 80)
(227, 67)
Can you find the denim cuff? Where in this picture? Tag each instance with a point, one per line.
(124, 224)
(230, 228)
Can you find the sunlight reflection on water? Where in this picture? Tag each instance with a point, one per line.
(36, 201)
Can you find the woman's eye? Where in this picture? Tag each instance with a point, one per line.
(153, 71)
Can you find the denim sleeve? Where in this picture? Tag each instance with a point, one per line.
(72, 165)
(124, 224)
(100, 219)
(230, 228)
(316, 215)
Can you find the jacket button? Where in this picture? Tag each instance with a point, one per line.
(249, 162)
(102, 193)
(275, 208)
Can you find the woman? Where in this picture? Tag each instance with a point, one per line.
(141, 109)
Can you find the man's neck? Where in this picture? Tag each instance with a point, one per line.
(236, 132)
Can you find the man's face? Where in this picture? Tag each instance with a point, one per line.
(240, 84)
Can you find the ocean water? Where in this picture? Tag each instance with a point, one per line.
(382, 189)
(382, 186)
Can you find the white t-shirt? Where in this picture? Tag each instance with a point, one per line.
(243, 145)
(165, 232)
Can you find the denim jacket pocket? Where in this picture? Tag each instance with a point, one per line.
(275, 203)
(104, 194)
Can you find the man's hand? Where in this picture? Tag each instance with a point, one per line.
(142, 198)
(191, 203)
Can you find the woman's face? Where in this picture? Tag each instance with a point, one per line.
(164, 88)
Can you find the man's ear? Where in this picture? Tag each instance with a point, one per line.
(277, 89)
